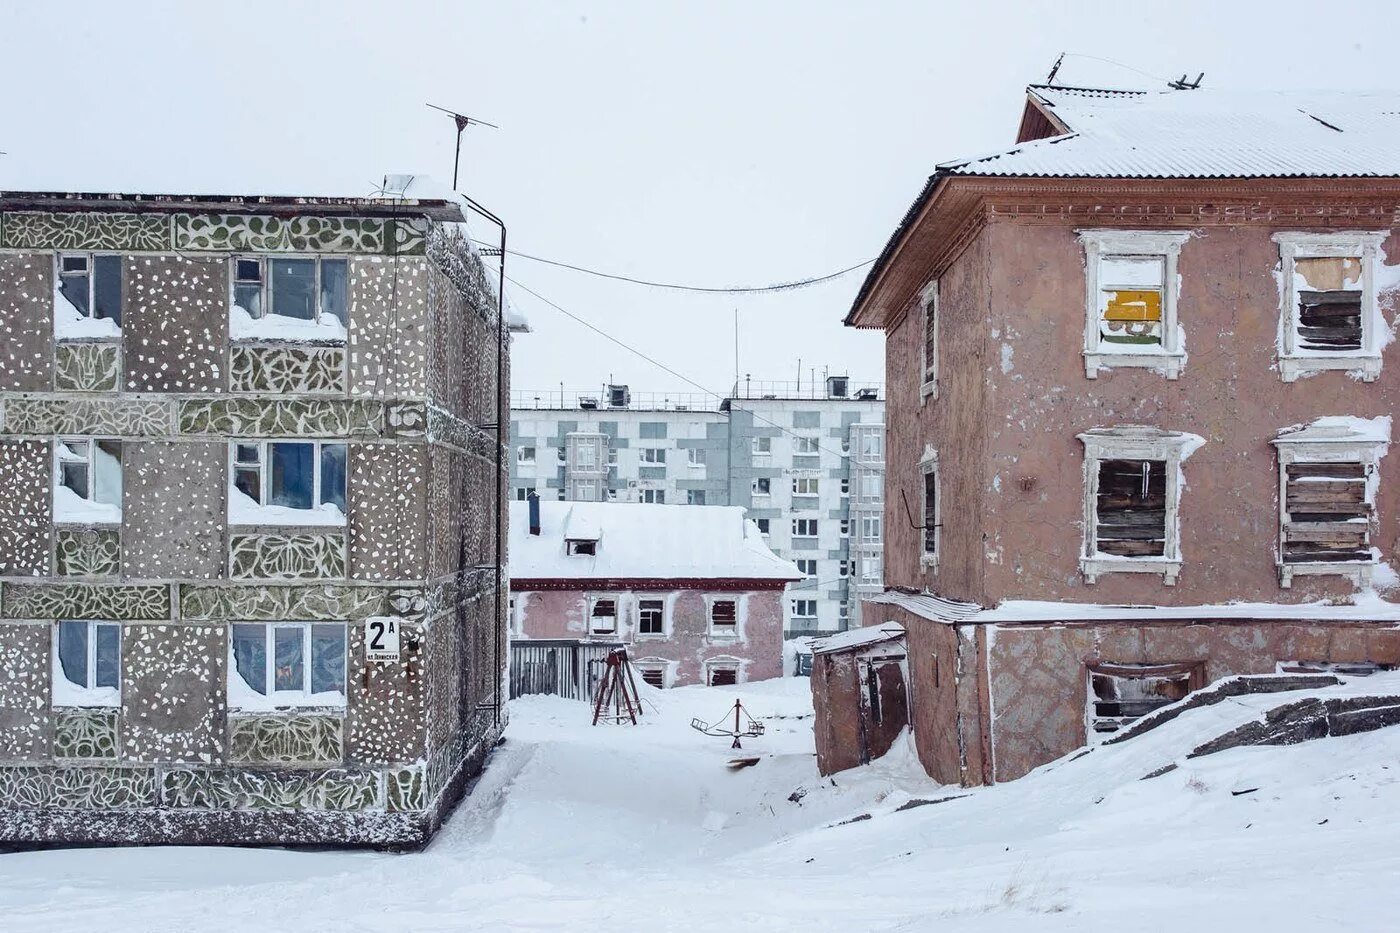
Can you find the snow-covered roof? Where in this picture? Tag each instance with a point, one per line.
(1363, 607)
(1205, 133)
(858, 638)
(1334, 429)
(642, 541)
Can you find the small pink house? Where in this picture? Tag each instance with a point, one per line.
(692, 591)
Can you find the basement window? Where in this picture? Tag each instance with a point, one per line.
(652, 671)
(1130, 302)
(87, 481)
(1328, 474)
(1330, 318)
(287, 483)
(602, 615)
(289, 298)
(722, 672)
(277, 664)
(88, 296)
(724, 616)
(88, 668)
(1122, 693)
(1132, 489)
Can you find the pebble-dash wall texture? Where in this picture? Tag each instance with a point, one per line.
(174, 757)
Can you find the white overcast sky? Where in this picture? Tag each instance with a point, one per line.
(716, 143)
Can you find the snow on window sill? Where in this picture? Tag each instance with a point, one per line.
(244, 511)
(1093, 567)
(731, 632)
(1293, 366)
(1359, 571)
(928, 390)
(279, 327)
(243, 698)
(69, 508)
(1167, 363)
(66, 693)
(71, 324)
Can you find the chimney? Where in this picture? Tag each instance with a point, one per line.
(534, 501)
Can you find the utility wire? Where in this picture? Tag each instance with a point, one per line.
(660, 365)
(742, 290)
(1109, 61)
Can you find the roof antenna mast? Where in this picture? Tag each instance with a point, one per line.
(463, 121)
(1055, 69)
(1182, 84)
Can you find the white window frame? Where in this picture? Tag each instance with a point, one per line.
(274, 698)
(1295, 362)
(804, 446)
(765, 526)
(806, 486)
(651, 456)
(665, 617)
(762, 493)
(809, 603)
(88, 695)
(1156, 244)
(724, 631)
(264, 476)
(806, 560)
(264, 264)
(867, 577)
(761, 448)
(869, 522)
(89, 256)
(870, 478)
(815, 532)
(652, 496)
(928, 466)
(1134, 442)
(616, 600)
(695, 458)
(1323, 444)
(91, 497)
(691, 494)
(520, 455)
(928, 368)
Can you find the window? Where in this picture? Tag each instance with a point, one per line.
(762, 447)
(807, 567)
(721, 673)
(695, 457)
(871, 529)
(1121, 693)
(651, 617)
(286, 664)
(602, 615)
(804, 527)
(929, 344)
(1327, 497)
(872, 444)
(88, 668)
(804, 486)
(871, 570)
(525, 455)
(87, 481)
(652, 454)
(804, 608)
(657, 496)
(844, 570)
(270, 295)
(522, 493)
(1130, 300)
(584, 490)
(845, 527)
(1131, 496)
(88, 300)
(872, 487)
(581, 547)
(762, 486)
(806, 445)
(652, 671)
(931, 514)
(845, 486)
(585, 456)
(612, 456)
(763, 525)
(1331, 317)
(695, 497)
(287, 483)
(724, 616)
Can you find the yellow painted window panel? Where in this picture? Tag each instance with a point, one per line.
(1330, 273)
(1133, 305)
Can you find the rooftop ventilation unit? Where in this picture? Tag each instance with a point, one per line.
(838, 386)
(587, 403)
(618, 396)
(868, 394)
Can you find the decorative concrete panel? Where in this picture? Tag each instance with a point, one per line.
(87, 552)
(176, 324)
(310, 555)
(406, 419)
(258, 417)
(82, 788)
(385, 722)
(388, 511)
(24, 691)
(85, 733)
(26, 321)
(405, 789)
(285, 739)
(84, 601)
(87, 367)
(76, 231)
(105, 416)
(334, 789)
(287, 370)
(388, 327)
(24, 508)
(163, 479)
(173, 693)
(272, 603)
(264, 234)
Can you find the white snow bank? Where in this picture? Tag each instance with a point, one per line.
(71, 324)
(72, 509)
(242, 510)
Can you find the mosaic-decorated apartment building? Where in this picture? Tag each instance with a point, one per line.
(249, 518)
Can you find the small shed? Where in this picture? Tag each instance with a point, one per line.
(859, 694)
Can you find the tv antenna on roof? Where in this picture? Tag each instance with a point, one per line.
(1181, 84)
(463, 121)
(1055, 69)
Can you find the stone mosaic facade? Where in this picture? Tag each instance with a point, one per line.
(174, 754)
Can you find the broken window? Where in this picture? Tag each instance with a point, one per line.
(653, 673)
(1330, 313)
(1329, 303)
(724, 616)
(525, 455)
(287, 664)
(584, 547)
(1131, 508)
(88, 302)
(929, 536)
(88, 672)
(804, 527)
(1121, 693)
(762, 486)
(930, 340)
(1130, 300)
(651, 617)
(87, 481)
(1326, 513)
(763, 525)
(270, 476)
(722, 673)
(695, 497)
(602, 615)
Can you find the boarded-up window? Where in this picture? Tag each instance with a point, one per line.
(655, 675)
(723, 675)
(1329, 303)
(1326, 515)
(1131, 508)
(723, 613)
(1130, 301)
(930, 511)
(1121, 693)
(603, 617)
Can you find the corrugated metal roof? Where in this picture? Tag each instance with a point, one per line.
(1205, 133)
(858, 638)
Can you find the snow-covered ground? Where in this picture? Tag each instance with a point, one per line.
(646, 828)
